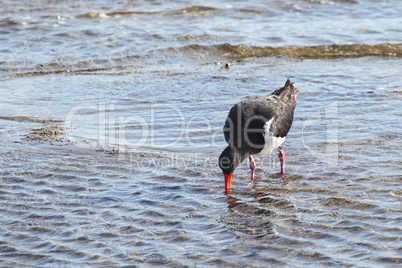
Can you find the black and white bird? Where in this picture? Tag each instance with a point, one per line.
(256, 126)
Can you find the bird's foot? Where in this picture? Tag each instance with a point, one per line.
(280, 175)
(252, 182)
(285, 179)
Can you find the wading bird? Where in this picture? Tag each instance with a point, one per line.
(257, 126)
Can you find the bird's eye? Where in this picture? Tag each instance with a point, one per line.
(225, 162)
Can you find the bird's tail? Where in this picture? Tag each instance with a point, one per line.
(288, 93)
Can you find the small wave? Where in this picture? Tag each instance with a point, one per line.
(343, 202)
(91, 15)
(190, 9)
(29, 119)
(210, 51)
(308, 52)
(9, 22)
(199, 9)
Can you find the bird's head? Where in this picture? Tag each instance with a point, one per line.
(228, 161)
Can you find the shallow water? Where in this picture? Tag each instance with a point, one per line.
(111, 125)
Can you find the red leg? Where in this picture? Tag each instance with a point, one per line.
(282, 159)
(252, 167)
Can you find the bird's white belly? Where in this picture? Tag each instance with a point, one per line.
(271, 142)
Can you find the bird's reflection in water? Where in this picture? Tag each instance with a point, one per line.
(250, 220)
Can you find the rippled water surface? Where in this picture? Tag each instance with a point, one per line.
(111, 123)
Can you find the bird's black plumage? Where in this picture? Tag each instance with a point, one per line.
(244, 126)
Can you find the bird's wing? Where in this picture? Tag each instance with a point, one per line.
(232, 124)
(245, 125)
(271, 107)
(282, 120)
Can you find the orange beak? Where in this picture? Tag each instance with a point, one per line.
(228, 179)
